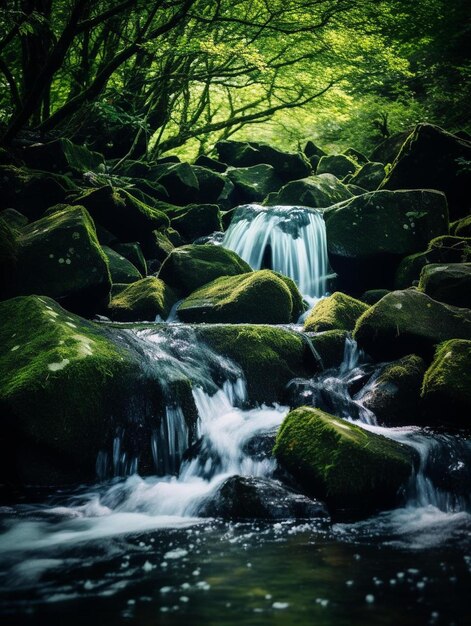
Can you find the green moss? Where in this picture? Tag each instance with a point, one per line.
(121, 270)
(270, 357)
(446, 387)
(190, 267)
(142, 301)
(256, 298)
(339, 461)
(338, 311)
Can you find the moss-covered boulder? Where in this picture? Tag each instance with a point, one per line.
(211, 164)
(269, 356)
(143, 300)
(368, 235)
(67, 386)
(311, 149)
(190, 267)
(194, 220)
(259, 297)
(445, 249)
(387, 151)
(32, 191)
(121, 270)
(393, 395)
(132, 252)
(336, 312)
(339, 165)
(158, 246)
(179, 180)
(286, 165)
(450, 283)
(252, 184)
(356, 156)
(446, 389)
(369, 177)
(314, 191)
(349, 467)
(431, 158)
(409, 321)
(122, 214)
(210, 184)
(59, 256)
(372, 296)
(330, 346)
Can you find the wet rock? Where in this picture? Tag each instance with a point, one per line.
(369, 177)
(252, 184)
(387, 150)
(314, 191)
(393, 394)
(180, 181)
(132, 252)
(368, 235)
(330, 345)
(349, 467)
(260, 297)
(372, 296)
(121, 270)
(248, 498)
(336, 312)
(190, 267)
(409, 321)
(143, 300)
(449, 283)
(194, 220)
(211, 164)
(356, 155)
(430, 159)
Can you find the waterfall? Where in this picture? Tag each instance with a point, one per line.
(288, 239)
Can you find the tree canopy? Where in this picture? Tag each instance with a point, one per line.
(147, 77)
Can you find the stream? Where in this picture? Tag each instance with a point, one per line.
(140, 550)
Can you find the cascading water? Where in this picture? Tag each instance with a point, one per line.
(290, 240)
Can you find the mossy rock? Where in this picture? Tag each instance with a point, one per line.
(394, 393)
(369, 177)
(194, 220)
(61, 155)
(339, 165)
(66, 385)
(190, 267)
(409, 321)
(142, 301)
(449, 283)
(210, 184)
(349, 467)
(336, 312)
(368, 235)
(444, 249)
(314, 191)
(269, 356)
(122, 214)
(430, 159)
(446, 389)
(180, 181)
(252, 184)
(387, 151)
(372, 296)
(59, 256)
(259, 297)
(313, 150)
(158, 246)
(211, 164)
(132, 252)
(330, 346)
(461, 228)
(8, 257)
(13, 218)
(356, 156)
(121, 270)
(31, 192)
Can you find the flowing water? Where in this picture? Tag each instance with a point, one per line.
(136, 550)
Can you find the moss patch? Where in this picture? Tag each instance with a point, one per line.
(142, 301)
(338, 311)
(341, 462)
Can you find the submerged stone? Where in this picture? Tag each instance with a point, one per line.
(260, 297)
(190, 267)
(349, 467)
(336, 312)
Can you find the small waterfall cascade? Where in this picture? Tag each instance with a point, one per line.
(288, 239)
